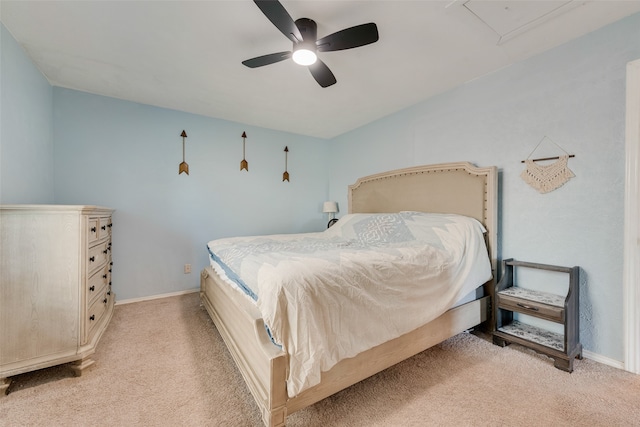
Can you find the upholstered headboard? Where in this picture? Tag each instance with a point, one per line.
(459, 188)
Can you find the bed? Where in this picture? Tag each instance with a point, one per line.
(453, 188)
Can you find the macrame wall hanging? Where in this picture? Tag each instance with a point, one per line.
(546, 178)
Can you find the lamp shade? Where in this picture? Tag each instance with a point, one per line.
(330, 207)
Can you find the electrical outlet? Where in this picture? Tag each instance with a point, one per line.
(187, 268)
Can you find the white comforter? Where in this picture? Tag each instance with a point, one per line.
(368, 279)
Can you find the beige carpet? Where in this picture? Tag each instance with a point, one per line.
(162, 363)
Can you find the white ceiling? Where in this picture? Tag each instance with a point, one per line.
(186, 55)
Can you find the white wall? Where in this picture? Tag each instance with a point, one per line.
(126, 155)
(575, 95)
(26, 126)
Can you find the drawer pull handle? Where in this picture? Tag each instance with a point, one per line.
(93, 288)
(105, 251)
(109, 225)
(104, 300)
(92, 317)
(92, 259)
(109, 293)
(109, 283)
(93, 229)
(104, 276)
(528, 307)
(104, 227)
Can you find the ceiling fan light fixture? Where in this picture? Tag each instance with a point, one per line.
(304, 54)
(303, 33)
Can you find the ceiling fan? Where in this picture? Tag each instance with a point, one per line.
(303, 34)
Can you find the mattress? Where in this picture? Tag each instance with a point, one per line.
(322, 295)
(473, 295)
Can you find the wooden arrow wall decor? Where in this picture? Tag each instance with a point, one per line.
(285, 175)
(244, 164)
(184, 167)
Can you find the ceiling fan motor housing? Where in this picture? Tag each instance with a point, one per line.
(308, 29)
(304, 51)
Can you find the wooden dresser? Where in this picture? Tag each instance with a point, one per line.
(55, 286)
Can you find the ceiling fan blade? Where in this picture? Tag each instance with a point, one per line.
(263, 60)
(348, 38)
(322, 73)
(278, 15)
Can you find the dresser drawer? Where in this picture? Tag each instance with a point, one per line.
(97, 283)
(93, 229)
(97, 256)
(95, 312)
(109, 268)
(104, 227)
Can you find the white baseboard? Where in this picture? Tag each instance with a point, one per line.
(603, 359)
(152, 297)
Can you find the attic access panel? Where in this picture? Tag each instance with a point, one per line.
(509, 18)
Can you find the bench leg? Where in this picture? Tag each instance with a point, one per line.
(499, 341)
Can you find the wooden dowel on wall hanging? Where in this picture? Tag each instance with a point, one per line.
(546, 158)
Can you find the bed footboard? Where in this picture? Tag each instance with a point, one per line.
(353, 370)
(264, 366)
(261, 363)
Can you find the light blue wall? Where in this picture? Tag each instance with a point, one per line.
(126, 155)
(575, 95)
(26, 127)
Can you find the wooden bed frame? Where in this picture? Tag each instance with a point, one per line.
(445, 188)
